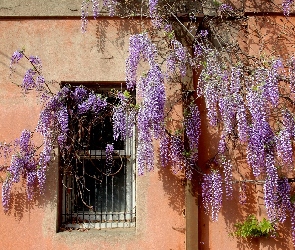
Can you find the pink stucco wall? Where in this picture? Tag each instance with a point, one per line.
(260, 35)
(99, 55)
(69, 55)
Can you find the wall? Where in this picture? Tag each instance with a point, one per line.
(265, 32)
(69, 55)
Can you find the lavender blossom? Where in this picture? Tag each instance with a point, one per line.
(153, 8)
(177, 150)
(225, 8)
(212, 194)
(222, 144)
(284, 194)
(17, 55)
(165, 150)
(203, 33)
(29, 80)
(84, 15)
(286, 4)
(180, 55)
(192, 124)
(228, 178)
(139, 46)
(109, 155)
(270, 188)
(95, 8)
(6, 192)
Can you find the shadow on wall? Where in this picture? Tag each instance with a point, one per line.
(120, 31)
(19, 204)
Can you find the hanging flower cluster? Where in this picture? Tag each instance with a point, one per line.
(212, 194)
(286, 5)
(23, 163)
(150, 88)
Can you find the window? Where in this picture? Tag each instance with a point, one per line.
(98, 195)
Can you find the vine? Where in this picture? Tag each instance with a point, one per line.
(251, 99)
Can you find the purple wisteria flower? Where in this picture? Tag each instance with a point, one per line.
(150, 88)
(284, 194)
(225, 8)
(109, 155)
(84, 15)
(95, 6)
(44, 159)
(145, 153)
(165, 155)
(123, 119)
(36, 61)
(180, 55)
(286, 4)
(140, 46)
(212, 194)
(228, 177)
(222, 144)
(270, 188)
(271, 88)
(93, 104)
(177, 150)
(203, 33)
(6, 193)
(31, 180)
(198, 51)
(63, 121)
(29, 80)
(209, 84)
(243, 128)
(153, 8)
(111, 6)
(17, 55)
(192, 124)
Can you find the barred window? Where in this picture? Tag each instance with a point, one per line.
(99, 195)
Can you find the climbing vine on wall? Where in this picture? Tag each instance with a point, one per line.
(250, 99)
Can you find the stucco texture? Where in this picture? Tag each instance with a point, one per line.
(69, 55)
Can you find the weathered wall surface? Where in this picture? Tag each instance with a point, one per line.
(68, 55)
(262, 35)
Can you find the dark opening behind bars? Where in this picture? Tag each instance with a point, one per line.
(101, 196)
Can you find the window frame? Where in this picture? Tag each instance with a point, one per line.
(124, 219)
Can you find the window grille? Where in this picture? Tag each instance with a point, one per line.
(99, 196)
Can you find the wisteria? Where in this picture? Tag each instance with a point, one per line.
(284, 194)
(165, 150)
(109, 155)
(286, 4)
(212, 194)
(225, 8)
(222, 144)
(180, 54)
(111, 6)
(140, 46)
(284, 146)
(228, 177)
(84, 15)
(250, 107)
(150, 87)
(17, 55)
(270, 188)
(6, 192)
(192, 124)
(177, 157)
